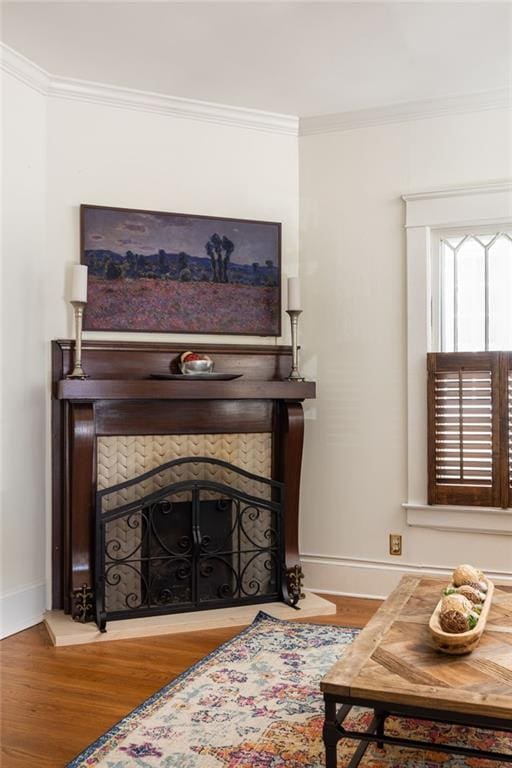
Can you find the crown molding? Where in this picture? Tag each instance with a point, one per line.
(144, 101)
(24, 70)
(119, 97)
(18, 66)
(499, 98)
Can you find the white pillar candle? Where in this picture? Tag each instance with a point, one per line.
(79, 283)
(294, 293)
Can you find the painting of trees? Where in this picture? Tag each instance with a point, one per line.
(172, 272)
(219, 249)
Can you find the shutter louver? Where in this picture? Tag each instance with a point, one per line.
(464, 429)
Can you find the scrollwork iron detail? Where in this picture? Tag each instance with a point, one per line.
(83, 604)
(294, 582)
(191, 545)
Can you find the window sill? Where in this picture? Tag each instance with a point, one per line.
(491, 520)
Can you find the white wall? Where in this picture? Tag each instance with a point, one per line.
(110, 156)
(352, 267)
(24, 352)
(61, 152)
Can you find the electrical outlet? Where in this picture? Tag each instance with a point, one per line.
(395, 544)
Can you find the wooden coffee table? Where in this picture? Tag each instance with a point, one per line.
(392, 669)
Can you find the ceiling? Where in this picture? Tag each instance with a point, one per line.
(300, 58)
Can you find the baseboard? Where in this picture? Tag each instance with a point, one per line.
(22, 608)
(357, 577)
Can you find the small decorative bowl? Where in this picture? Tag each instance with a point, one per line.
(197, 366)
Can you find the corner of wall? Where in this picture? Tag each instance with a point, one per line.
(22, 608)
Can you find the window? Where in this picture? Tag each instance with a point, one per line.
(474, 215)
(474, 305)
(468, 401)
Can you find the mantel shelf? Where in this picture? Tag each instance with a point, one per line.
(156, 389)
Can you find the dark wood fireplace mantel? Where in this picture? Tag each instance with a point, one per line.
(120, 398)
(137, 389)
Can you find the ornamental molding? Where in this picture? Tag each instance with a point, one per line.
(29, 73)
(53, 86)
(404, 112)
(475, 204)
(24, 70)
(476, 189)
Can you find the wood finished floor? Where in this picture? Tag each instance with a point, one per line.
(56, 701)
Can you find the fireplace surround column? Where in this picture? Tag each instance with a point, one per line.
(290, 438)
(82, 479)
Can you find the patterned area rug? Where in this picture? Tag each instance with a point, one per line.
(255, 703)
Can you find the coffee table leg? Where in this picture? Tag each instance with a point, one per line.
(330, 756)
(330, 733)
(380, 717)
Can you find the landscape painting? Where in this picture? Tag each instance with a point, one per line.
(179, 273)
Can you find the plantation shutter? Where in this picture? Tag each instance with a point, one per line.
(468, 428)
(508, 428)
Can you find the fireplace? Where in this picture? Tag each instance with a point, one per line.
(190, 538)
(174, 496)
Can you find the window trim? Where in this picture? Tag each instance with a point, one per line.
(444, 517)
(426, 213)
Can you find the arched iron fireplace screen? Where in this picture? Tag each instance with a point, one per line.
(192, 534)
